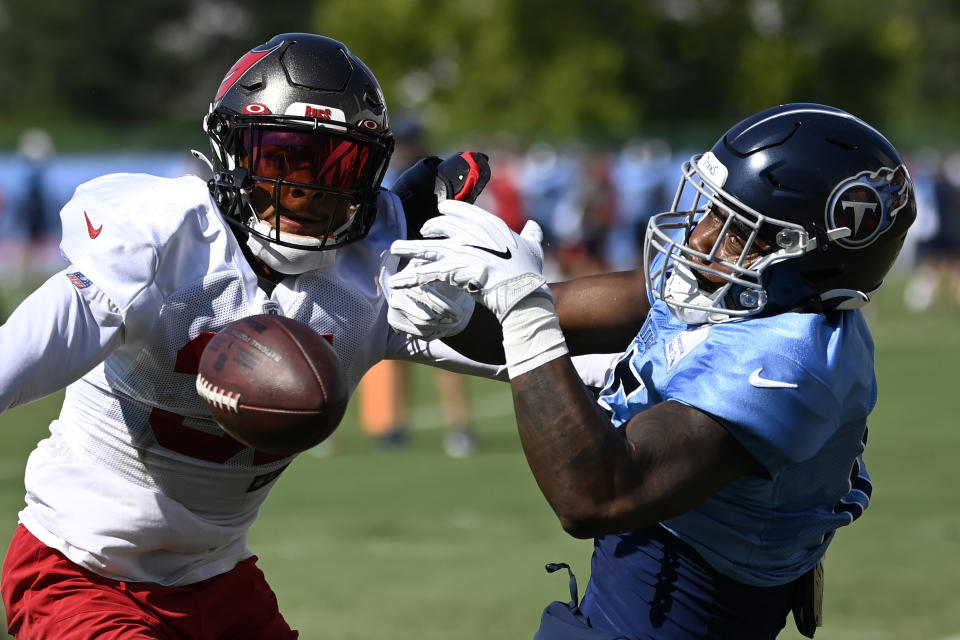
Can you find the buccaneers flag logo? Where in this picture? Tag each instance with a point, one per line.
(241, 66)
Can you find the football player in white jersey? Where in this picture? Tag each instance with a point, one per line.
(138, 504)
(726, 448)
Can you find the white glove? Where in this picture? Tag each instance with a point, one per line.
(429, 312)
(475, 251)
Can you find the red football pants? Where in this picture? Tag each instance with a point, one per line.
(47, 596)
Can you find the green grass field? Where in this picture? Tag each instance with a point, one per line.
(414, 545)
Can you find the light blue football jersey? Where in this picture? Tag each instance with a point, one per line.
(795, 390)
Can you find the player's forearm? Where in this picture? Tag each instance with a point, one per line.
(53, 338)
(601, 313)
(580, 461)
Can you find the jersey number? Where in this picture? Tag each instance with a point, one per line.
(172, 433)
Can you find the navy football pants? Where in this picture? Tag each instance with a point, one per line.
(650, 585)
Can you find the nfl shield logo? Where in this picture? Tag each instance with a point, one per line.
(79, 280)
(272, 308)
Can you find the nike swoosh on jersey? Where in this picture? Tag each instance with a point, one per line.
(505, 254)
(90, 230)
(766, 383)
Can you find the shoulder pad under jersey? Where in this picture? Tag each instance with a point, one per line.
(119, 228)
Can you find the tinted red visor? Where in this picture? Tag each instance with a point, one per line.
(306, 157)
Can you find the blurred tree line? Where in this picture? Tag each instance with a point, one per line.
(101, 73)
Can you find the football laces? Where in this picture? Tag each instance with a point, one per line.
(221, 398)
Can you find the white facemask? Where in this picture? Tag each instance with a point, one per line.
(289, 260)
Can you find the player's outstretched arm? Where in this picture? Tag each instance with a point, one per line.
(438, 311)
(602, 480)
(601, 313)
(61, 331)
(597, 478)
(598, 314)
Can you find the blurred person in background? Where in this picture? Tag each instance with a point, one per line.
(35, 148)
(936, 261)
(544, 178)
(568, 193)
(138, 504)
(584, 217)
(641, 175)
(726, 448)
(504, 196)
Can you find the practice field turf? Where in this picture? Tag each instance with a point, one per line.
(414, 545)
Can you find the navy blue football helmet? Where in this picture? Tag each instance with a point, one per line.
(825, 193)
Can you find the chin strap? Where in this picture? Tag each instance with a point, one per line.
(289, 260)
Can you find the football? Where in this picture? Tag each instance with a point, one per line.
(273, 383)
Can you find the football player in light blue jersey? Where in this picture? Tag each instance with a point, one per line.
(726, 448)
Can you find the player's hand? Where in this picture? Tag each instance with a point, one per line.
(462, 176)
(476, 251)
(430, 312)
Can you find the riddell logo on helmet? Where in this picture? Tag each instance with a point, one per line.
(710, 166)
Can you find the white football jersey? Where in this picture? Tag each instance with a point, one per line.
(136, 482)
